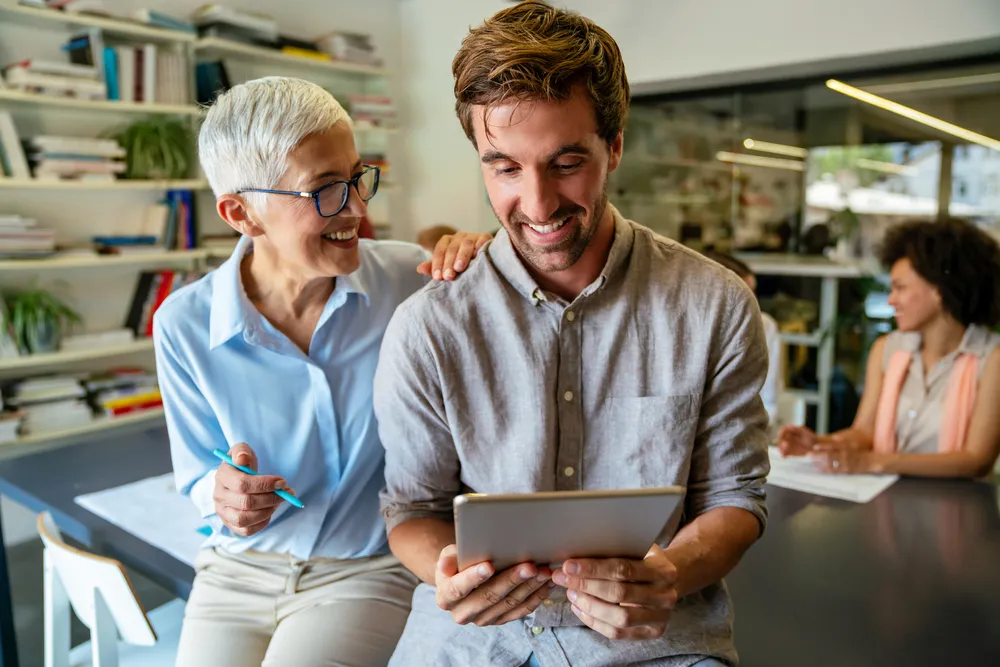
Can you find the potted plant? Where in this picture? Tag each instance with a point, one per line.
(156, 148)
(39, 320)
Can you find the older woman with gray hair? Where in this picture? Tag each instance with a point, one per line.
(271, 359)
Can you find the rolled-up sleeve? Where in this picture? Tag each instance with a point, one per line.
(729, 462)
(192, 427)
(422, 470)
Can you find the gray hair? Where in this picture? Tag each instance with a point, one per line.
(250, 130)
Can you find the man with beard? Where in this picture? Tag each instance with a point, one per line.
(585, 353)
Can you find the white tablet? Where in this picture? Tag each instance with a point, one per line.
(547, 528)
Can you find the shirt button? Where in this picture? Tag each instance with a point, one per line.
(537, 630)
(569, 471)
(570, 315)
(568, 396)
(911, 414)
(548, 603)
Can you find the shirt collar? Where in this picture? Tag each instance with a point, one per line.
(509, 264)
(230, 305)
(975, 341)
(232, 310)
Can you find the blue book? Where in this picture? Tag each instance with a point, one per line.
(124, 240)
(111, 73)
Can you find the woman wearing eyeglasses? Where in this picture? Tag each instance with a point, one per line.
(271, 358)
(932, 388)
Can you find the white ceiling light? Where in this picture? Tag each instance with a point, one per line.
(913, 114)
(777, 149)
(759, 161)
(887, 167)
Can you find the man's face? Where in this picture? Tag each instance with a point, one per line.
(546, 171)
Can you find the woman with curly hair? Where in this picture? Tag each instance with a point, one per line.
(932, 388)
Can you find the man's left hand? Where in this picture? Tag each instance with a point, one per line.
(621, 598)
(452, 255)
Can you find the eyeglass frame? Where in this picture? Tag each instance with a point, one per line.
(314, 195)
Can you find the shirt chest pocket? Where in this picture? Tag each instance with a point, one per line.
(648, 440)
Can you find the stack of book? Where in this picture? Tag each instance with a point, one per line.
(123, 391)
(51, 403)
(217, 20)
(20, 238)
(379, 160)
(101, 340)
(371, 111)
(350, 47)
(56, 78)
(150, 291)
(73, 158)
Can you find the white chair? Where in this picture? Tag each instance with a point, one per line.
(99, 591)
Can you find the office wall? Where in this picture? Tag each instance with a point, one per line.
(667, 45)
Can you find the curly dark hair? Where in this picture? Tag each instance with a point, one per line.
(958, 258)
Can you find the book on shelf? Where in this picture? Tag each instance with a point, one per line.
(350, 47)
(260, 27)
(60, 158)
(371, 111)
(211, 79)
(151, 289)
(14, 161)
(10, 425)
(101, 340)
(160, 20)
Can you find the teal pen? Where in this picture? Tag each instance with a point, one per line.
(219, 454)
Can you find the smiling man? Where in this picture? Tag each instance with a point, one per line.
(587, 353)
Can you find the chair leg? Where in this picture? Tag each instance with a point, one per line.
(57, 616)
(104, 634)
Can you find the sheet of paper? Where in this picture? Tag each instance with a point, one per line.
(152, 510)
(800, 474)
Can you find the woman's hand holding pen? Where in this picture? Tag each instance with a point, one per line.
(245, 502)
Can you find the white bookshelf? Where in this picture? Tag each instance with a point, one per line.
(216, 46)
(35, 442)
(120, 184)
(116, 207)
(31, 362)
(829, 273)
(51, 18)
(115, 106)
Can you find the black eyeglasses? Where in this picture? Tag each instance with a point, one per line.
(332, 197)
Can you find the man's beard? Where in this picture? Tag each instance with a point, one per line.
(565, 253)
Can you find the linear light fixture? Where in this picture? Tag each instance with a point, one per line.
(759, 161)
(777, 149)
(888, 167)
(913, 114)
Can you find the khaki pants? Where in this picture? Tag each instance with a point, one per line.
(264, 609)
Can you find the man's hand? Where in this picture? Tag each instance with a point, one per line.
(245, 502)
(476, 596)
(452, 255)
(621, 598)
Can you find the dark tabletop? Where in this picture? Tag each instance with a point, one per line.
(51, 479)
(911, 578)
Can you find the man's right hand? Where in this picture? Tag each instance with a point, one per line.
(475, 595)
(245, 502)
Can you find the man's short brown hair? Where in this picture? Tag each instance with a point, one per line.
(533, 51)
